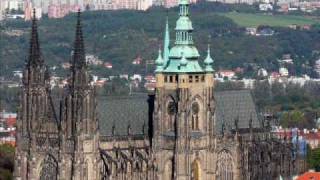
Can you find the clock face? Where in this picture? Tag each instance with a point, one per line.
(171, 108)
(195, 108)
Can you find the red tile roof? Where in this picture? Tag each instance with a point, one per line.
(310, 176)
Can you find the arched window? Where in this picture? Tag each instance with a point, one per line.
(171, 111)
(85, 171)
(49, 169)
(195, 117)
(224, 166)
(196, 171)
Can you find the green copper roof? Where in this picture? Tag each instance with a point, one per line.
(208, 61)
(183, 61)
(159, 62)
(192, 66)
(166, 43)
(190, 52)
(184, 24)
(183, 56)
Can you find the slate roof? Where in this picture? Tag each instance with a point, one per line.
(121, 112)
(232, 105)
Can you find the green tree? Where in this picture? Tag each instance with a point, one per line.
(6, 161)
(313, 158)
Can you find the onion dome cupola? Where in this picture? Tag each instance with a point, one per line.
(159, 62)
(208, 62)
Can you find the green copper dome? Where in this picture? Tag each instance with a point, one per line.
(184, 24)
(188, 51)
(183, 56)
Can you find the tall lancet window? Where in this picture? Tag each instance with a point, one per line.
(171, 111)
(49, 169)
(224, 166)
(195, 116)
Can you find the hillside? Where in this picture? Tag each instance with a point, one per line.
(255, 20)
(121, 36)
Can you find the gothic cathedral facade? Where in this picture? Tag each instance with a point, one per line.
(183, 131)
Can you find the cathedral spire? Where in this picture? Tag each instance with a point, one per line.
(80, 77)
(34, 53)
(166, 43)
(79, 60)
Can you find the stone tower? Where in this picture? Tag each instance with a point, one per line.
(79, 120)
(37, 153)
(184, 107)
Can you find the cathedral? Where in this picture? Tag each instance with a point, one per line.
(184, 130)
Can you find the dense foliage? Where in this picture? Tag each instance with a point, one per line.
(6, 161)
(9, 98)
(313, 159)
(121, 36)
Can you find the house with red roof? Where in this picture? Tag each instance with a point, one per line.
(309, 176)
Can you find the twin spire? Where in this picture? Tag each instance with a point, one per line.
(79, 65)
(79, 59)
(35, 57)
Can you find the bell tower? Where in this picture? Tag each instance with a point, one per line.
(38, 141)
(184, 106)
(79, 122)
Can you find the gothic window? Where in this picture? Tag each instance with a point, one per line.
(196, 171)
(85, 171)
(171, 110)
(49, 169)
(195, 116)
(224, 166)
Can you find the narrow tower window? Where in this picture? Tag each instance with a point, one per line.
(195, 117)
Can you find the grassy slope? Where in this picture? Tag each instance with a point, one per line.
(254, 20)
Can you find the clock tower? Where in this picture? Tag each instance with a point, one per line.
(184, 106)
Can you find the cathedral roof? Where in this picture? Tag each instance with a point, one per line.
(235, 105)
(133, 111)
(120, 113)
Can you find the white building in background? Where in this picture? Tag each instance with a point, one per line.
(2, 9)
(236, 1)
(143, 5)
(13, 4)
(283, 72)
(262, 72)
(265, 7)
(317, 67)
